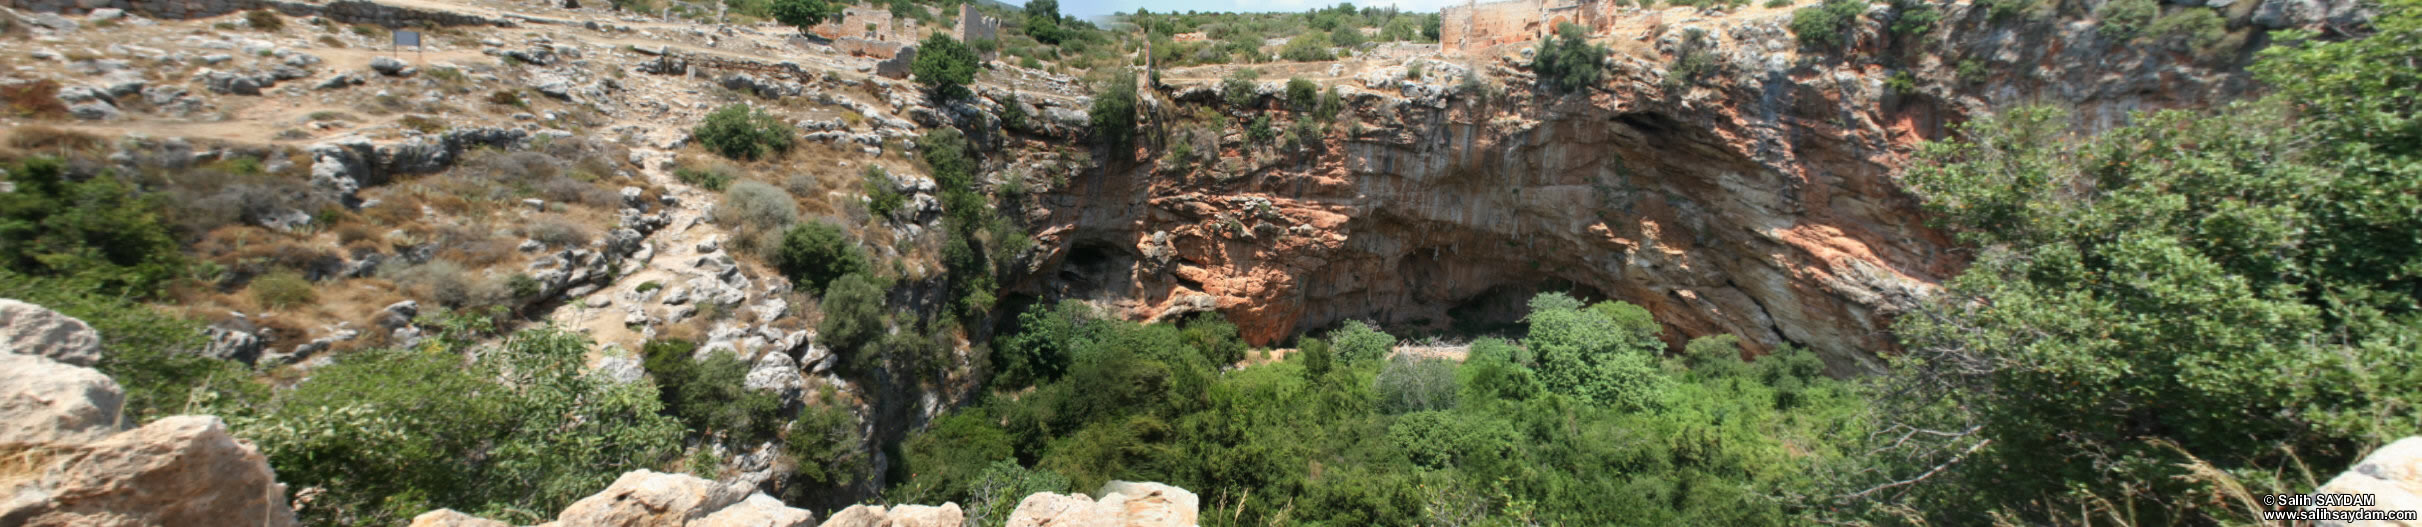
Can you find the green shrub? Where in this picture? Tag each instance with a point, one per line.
(1972, 71)
(814, 253)
(1013, 114)
(1777, 4)
(1914, 18)
(751, 207)
(881, 198)
(741, 132)
(522, 426)
(1567, 62)
(707, 394)
(1359, 343)
(803, 14)
(823, 446)
(1309, 47)
(264, 20)
(945, 66)
(1302, 94)
(2193, 29)
(281, 289)
(1694, 58)
(1241, 88)
(1901, 83)
(1330, 104)
(712, 179)
(1826, 26)
(1601, 354)
(97, 230)
(2125, 19)
(148, 352)
(1416, 384)
(1259, 130)
(853, 317)
(2217, 284)
(1042, 21)
(1113, 112)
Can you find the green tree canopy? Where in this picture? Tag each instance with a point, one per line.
(945, 66)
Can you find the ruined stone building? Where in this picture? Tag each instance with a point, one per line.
(1475, 25)
(858, 21)
(973, 25)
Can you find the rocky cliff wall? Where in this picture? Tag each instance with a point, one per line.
(1760, 199)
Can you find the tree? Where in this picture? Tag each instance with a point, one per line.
(1302, 93)
(709, 395)
(853, 316)
(1043, 21)
(945, 66)
(1568, 62)
(1358, 343)
(1113, 111)
(96, 230)
(804, 14)
(1600, 354)
(815, 253)
(742, 132)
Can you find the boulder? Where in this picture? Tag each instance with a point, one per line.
(758, 510)
(946, 515)
(182, 470)
(387, 66)
(856, 516)
(451, 518)
(776, 372)
(2392, 474)
(35, 330)
(47, 402)
(1122, 504)
(649, 498)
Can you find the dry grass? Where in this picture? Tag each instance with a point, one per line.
(36, 100)
(53, 141)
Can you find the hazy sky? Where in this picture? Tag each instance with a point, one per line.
(1088, 8)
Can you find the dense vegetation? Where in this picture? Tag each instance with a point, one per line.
(1577, 422)
(2218, 290)
(1568, 62)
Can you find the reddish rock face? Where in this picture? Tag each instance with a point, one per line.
(1762, 201)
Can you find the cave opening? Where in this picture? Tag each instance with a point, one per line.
(1093, 268)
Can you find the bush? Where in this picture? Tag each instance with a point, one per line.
(2125, 19)
(945, 66)
(1601, 354)
(751, 207)
(741, 132)
(1043, 21)
(1310, 47)
(804, 14)
(708, 395)
(853, 317)
(1359, 343)
(1013, 114)
(814, 253)
(2192, 29)
(98, 230)
(1330, 104)
(1567, 62)
(711, 178)
(1826, 26)
(881, 198)
(1914, 18)
(148, 352)
(1302, 94)
(281, 289)
(1777, 4)
(823, 447)
(1693, 59)
(1241, 89)
(264, 20)
(1415, 384)
(1113, 111)
(1259, 131)
(522, 426)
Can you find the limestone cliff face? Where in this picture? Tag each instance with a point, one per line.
(1762, 199)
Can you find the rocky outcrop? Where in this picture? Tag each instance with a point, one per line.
(34, 330)
(70, 464)
(650, 499)
(2392, 475)
(46, 402)
(183, 470)
(1760, 198)
(1123, 504)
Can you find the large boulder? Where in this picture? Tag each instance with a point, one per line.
(758, 510)
(1122, 504)
(35, 330)
(183, 470)
(2392, 475)
(47, 402)
(451, 518)
(649, 498)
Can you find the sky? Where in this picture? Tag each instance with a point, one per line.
(1092, 8)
